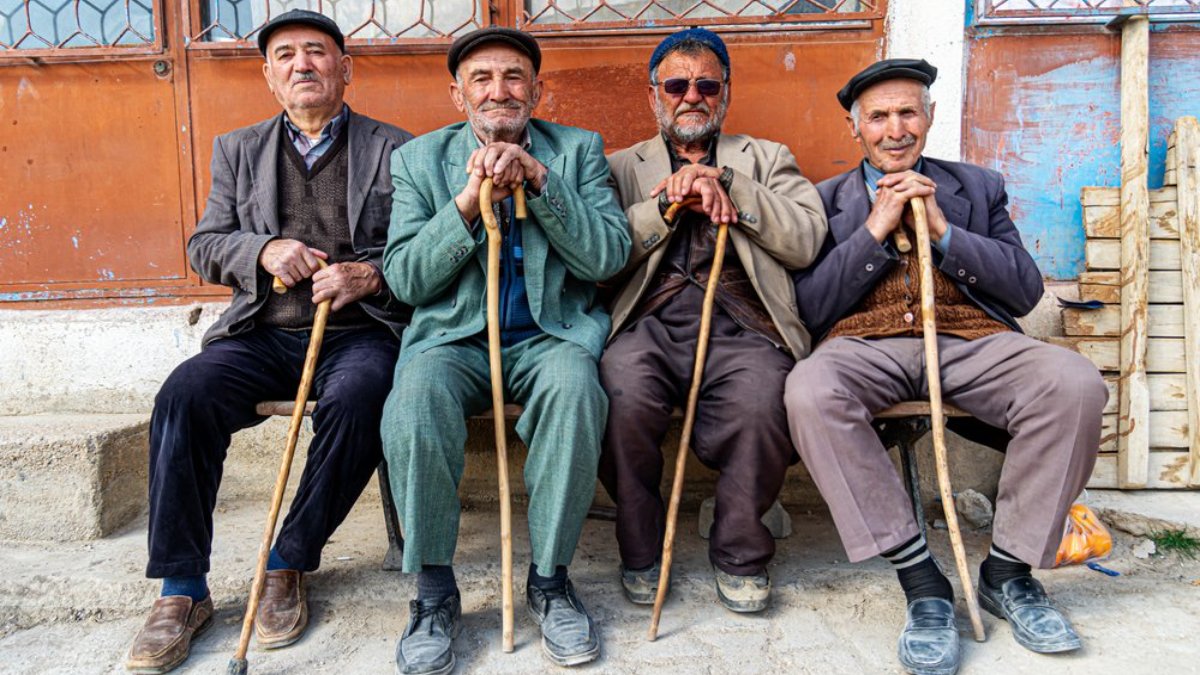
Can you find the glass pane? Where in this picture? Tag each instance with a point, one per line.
(1071, 7)
(594, 11)
(45, 24)
(226, 20)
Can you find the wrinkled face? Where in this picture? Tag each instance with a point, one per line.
(892, 124)
(691, 116)
(498, 90)
(305, 69)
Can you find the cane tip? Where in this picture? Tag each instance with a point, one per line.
(236, 667)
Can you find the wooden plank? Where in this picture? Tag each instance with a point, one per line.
(1165, 470)
(1163, 355)
(1111, 196)
(1104, 222)
(1170, 175)
(1105, 254)
(1167, 392)
(1164, 321)
(1168, 429)
(1187, 154)
(1165, 287)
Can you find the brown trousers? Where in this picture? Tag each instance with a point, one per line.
(1048, 398)
(740, 430)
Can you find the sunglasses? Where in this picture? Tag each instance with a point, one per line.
(678, 86)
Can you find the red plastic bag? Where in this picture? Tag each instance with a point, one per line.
(1084, 538)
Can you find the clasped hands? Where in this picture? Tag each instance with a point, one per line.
(698, 180)
(892, 195)
(508, 165)
(343, 283)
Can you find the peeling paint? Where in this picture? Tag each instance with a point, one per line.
(789, 62)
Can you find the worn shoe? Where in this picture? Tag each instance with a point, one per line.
(282, 609)
(743, 594)
(568, 636)
(641, 587)
(424, 649)
(1036, 624)
(929, 642)
(166, 638)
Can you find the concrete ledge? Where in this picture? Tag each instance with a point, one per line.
(1147, 512)
(71, 477)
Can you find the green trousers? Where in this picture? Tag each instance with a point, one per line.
(424, 431)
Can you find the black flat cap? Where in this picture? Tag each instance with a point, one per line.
(304, 17)
(890, 69)
(524, 42)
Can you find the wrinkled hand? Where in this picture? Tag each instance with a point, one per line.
(698, 180)
(290, 260)
(344, 283)
(508, 166)
(892, 195)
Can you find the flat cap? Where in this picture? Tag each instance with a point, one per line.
(523, 41)
(890, 69)
(705, 37)
(301, 16)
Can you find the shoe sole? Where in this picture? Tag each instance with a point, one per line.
(444, 670)
(641, 599)
(285, 640)
(165, 668)
(565, 661)
(743, 607)
(998, 612)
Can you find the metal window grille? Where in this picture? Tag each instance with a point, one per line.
(1079, 11)
(574, 15)
(62, 27)
(370, 21)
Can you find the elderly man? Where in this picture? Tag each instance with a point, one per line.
(776, 225)
(862, 298)
(552, 331)
(307, 186)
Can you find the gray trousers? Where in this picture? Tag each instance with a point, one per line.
(1048, 398)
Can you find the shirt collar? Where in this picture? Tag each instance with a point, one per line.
(709, 158)
(330, 130)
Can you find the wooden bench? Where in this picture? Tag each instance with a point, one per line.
(900, 426)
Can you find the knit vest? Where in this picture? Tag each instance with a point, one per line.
(893, 308)
(313, 209)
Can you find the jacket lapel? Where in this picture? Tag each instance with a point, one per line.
(731, 152)
(264, 158)
(956, 208)
(654, 167)
(852, 206)
(365, 148)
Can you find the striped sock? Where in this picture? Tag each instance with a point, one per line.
(918, 573)
(1000, 566)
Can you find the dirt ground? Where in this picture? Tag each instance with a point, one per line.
(74, 608)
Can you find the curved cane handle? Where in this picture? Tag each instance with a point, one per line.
(279, 287)
(485, 204)
(675, 207)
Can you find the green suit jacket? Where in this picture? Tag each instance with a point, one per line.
(575, 236)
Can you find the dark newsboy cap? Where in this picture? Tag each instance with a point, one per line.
(304, 17)
(523, 42)
(699, 35)
(890, 69)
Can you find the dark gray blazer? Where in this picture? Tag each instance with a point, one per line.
(986, 257)
(242, 215)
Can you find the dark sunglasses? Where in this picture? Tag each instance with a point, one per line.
(677, 86)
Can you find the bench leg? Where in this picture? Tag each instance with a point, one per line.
(908, 461)
(394, 560)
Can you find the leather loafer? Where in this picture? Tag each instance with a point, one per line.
(742, 594)
(929, 642)
(282, 609)
(568, 636)
(1036, 623)
(425, 647)
(165, 640)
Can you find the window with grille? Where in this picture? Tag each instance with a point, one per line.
(560, 15)
(45, 27)
(367, 20)
(1077, 11)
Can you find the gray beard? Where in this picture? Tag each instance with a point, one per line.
(692, 134)
(491, 131)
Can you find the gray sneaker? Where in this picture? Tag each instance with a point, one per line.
(424, 649)
(641, 587)
(568, 636)
(743, 594)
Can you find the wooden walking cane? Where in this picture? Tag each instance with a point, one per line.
(494, 238)
(689, 416)
(238, 664)
(937, 417)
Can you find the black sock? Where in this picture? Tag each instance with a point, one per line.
(436, 582)
(918, 573)
(545, 583)
(1001, 566)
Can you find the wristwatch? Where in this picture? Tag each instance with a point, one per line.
(726, 178)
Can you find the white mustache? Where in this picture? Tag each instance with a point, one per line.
(687, 108)
(308, 76)
(506, 105)
(897, 145)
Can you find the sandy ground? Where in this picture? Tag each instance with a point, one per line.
(74, 608)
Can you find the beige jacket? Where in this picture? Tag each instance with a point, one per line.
(781, 224)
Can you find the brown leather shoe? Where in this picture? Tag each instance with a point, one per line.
(166, 638)
(282, 610)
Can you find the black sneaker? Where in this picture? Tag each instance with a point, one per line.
(424, 649)
(568, 636)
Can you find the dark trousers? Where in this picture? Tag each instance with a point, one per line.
(213, 394)
(740, 430)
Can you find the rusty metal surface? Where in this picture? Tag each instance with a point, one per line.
(560, 15)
